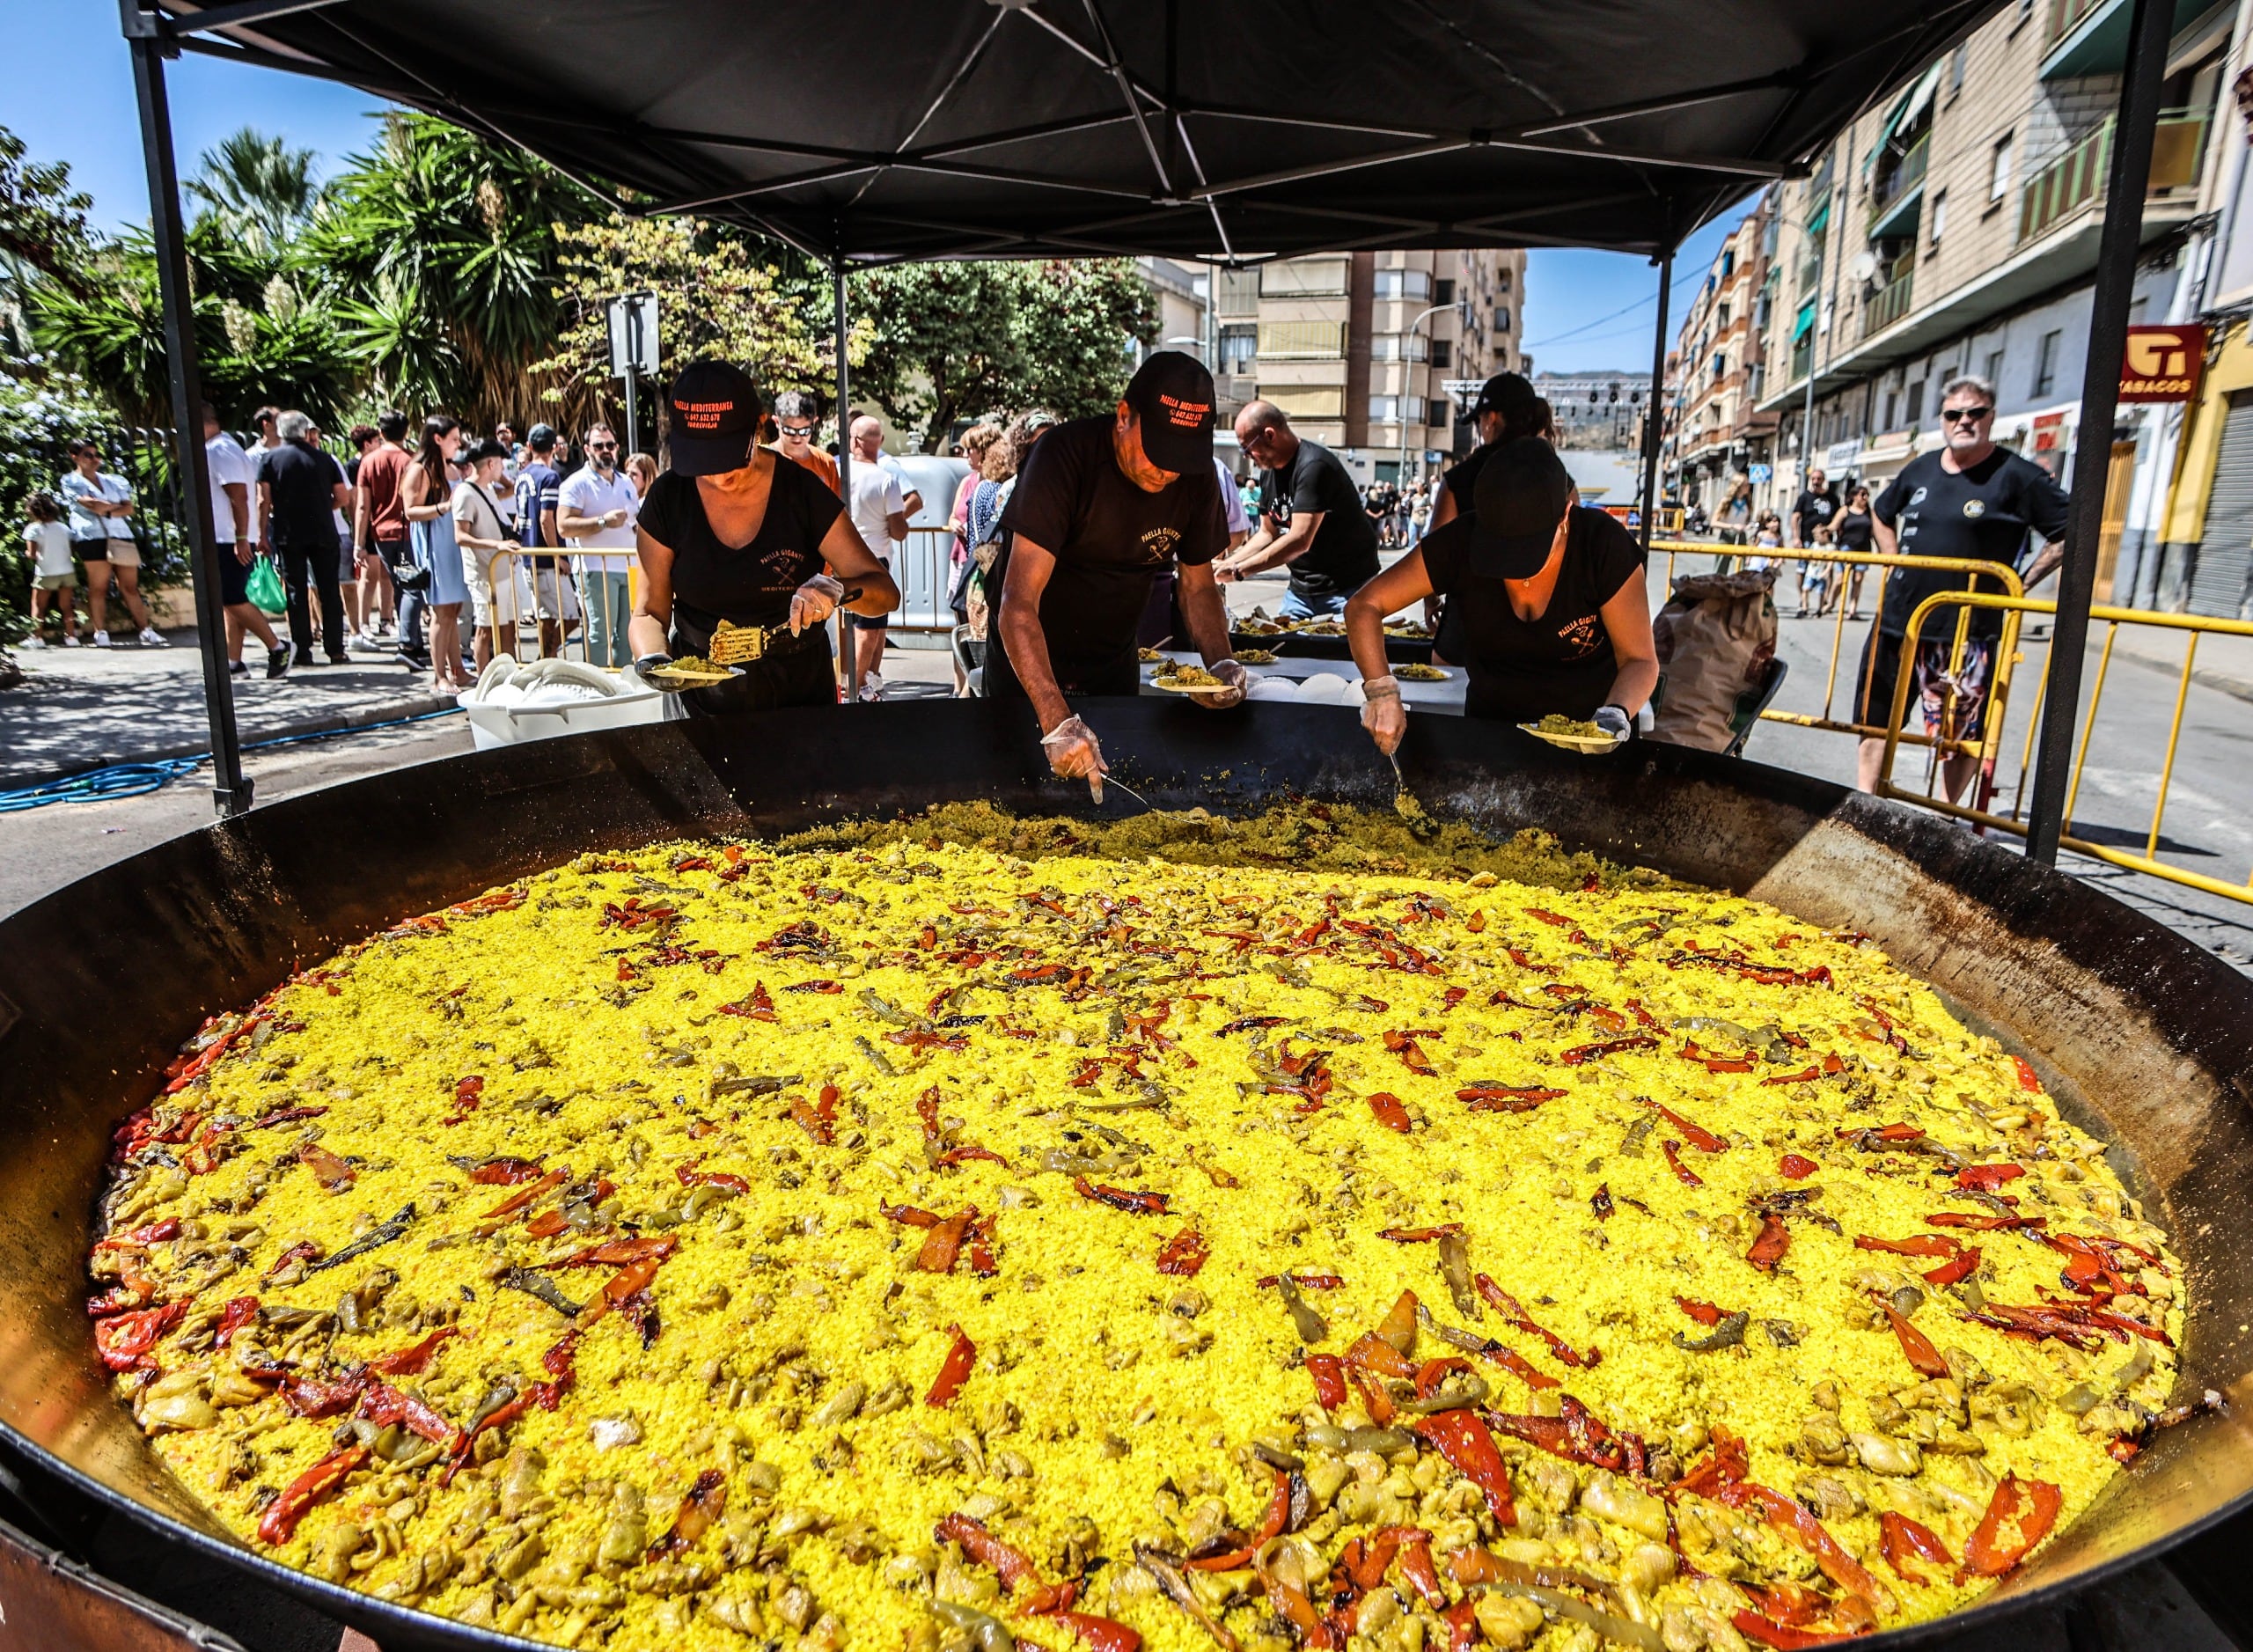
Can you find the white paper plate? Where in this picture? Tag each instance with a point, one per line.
(1583, 743)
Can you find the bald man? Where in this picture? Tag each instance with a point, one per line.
(1311, 522)
(881, 506)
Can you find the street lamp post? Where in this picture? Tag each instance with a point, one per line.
(1401, 400)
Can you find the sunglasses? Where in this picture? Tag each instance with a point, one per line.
(1963, 416)
(797, 432)
(602, 447)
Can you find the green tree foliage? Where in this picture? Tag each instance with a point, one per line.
(953, 341)
(716, 297)
(258, 187)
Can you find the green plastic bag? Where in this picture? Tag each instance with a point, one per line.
(265, 587)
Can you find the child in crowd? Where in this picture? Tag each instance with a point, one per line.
(47, 544)
(1815, 577)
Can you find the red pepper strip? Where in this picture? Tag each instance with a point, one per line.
(1462, 1627)
(558, 1361)
(1793, 1605)
(1806, 1076)
(329, 1171)
(409, 1361)
(1328, 1374)
(382, 1403)
(618, 1252)
(124, 1340)
(759, 1006)
(1682, 1173)
(1989, 1176)
(525, 1194)
(1183, 1255)
(1901, 1539)
(1582, 1053)
(1548, 917)
(1271, 1525)
(280, 1523)
(1416, 1563)
(1373, 1354)
(2031, 1506)
(706, 1501)
(1390, 1111)
(1786, 1516)
(1419, 1236)
(954, 1371)
(1507, 1305)
(1954, 1271)
(1009, 1564)
(1470, 1450)
(1915, 1244)
(1705, 1141)
(1924, 1358)
(2027, 1079)
(546, 1224)
(1292, 1605)
(1753, 1626)
(1366, 1559)
(689, 1175)
(964, 1154)
(944, 1242)
(629, 1281)
(2062, 1319)
(1575, 1434)
(304, 1250)
(142, 1238)
(812, 1123)
(239, 1312)
(1102, 1634)
(1432, 1373)
(908, 1215)
(1725, 1465)
(504, 1172)
(1412, 1055)
(1507, 1097)
(1375, 1399)
(1133, 1201)
(307, 1397)
(1305, 1282)
(1795, 1168)
(1984, 1224)
(1704, 1312)
(1768, 1249)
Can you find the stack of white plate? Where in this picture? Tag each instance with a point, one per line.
(517, 700)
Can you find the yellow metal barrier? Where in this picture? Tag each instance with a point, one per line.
(534, 636)
(2005, 653)
(2012, 607)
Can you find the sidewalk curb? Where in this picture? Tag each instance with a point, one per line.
(2221, 682)
(332, 722)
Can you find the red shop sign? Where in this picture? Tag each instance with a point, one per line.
(2162, 363)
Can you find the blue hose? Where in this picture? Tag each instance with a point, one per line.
(138, 780)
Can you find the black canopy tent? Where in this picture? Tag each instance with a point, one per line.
(864, 133)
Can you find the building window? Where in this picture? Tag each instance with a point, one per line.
(1502, 317)
(1503, 279)
(1440, 353)
(1994, 373)
(1955, 67)
(1999, 170)
(1940, 216)
(2025, 9)
(1302, 341)
(1239, 291)
(1720, 364)
(1728, 262)
(1443, 291)
(2045, 363)
(1305, 278)
(1239, 346)
(1392, 347)
(1915, 410)
(1721, 318)
(1386, 410)
(1413, 286)
(1308, 401)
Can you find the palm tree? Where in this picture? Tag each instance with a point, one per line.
(258, 186)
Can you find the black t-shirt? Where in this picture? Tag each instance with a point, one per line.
(304, 483)
(1343, 557)
(1814, 510)
(1109, 539)
(747, 585)
(1854, 530)
(1983, 512)
(1463, 478)
(1522, 670)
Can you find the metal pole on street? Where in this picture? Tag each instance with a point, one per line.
(2100, 391)
(147, 38)
(1654, 417)
(847, 642)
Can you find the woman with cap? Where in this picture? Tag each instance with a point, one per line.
(734, 534)
(1556, 617)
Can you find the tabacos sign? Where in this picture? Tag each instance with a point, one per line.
(2162, 363)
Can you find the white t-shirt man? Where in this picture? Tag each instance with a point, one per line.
(584, 493)
(228, 463)
(877, 497)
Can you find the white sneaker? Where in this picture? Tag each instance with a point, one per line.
(150, 637)
(35, 642)
(71, 639)
(871, 689)
(102, 640)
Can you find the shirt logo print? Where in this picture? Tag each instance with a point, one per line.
(1974, 507)
(1582, 638)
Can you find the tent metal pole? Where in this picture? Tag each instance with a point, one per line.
(1654, 417)
(2108, 335)
(847, 641)
(147, 37)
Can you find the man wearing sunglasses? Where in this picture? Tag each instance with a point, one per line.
(796, 425)
(595, 510)
(1968, 499)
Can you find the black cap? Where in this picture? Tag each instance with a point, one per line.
(1509, 394)
(491, 447)
(541, 438)
(1172, 395)
(714, 411)
(1521, 495)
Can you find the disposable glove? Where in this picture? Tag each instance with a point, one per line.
(1074, 754)
(812, 603)
(1383, 715)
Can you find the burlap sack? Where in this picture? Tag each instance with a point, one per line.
(1715, 637)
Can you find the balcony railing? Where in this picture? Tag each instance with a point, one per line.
(2079, 175)
(1803, 355)
(1890, 189)
(1888, 304)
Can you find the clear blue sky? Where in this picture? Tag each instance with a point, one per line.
(1583, 310)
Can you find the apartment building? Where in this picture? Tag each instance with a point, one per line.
(1359, 348)
(1716, 432)
(1955, 230)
